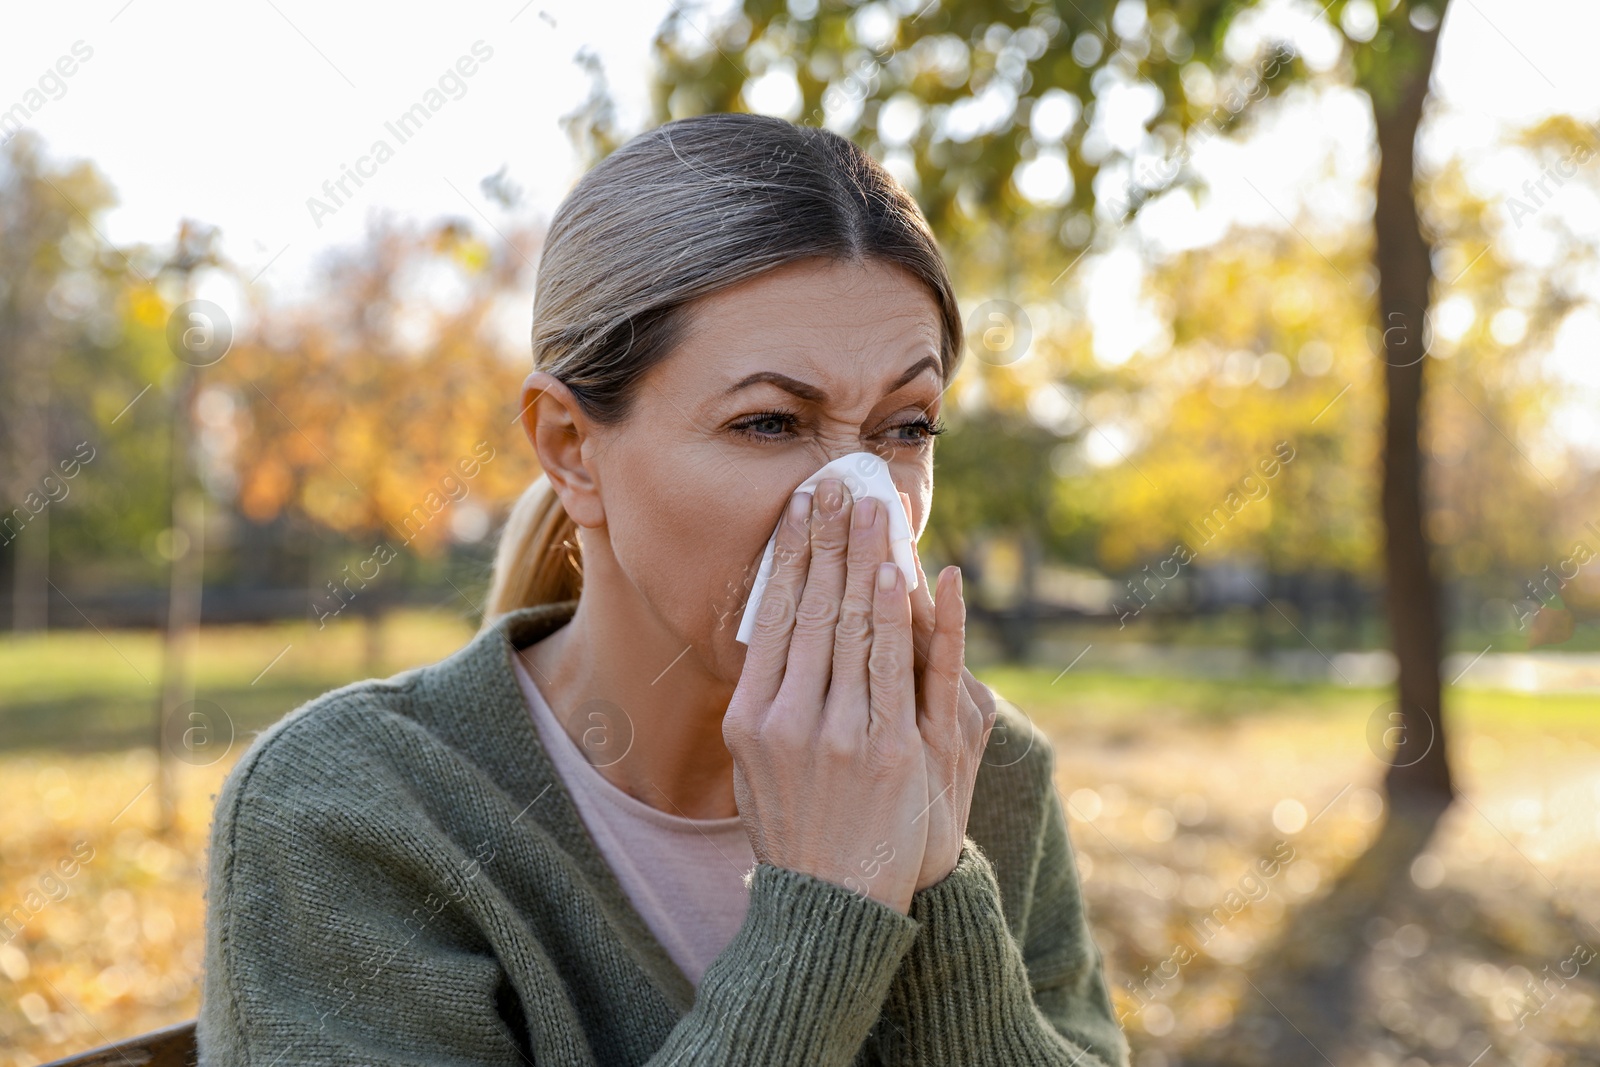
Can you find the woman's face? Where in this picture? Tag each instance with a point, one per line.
(774, 378)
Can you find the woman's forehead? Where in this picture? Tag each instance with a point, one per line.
(854, 323)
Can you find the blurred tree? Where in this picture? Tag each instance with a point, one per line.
(43, 287)
(376, 412)
(996, 468)
(1492, 412)
(1395, 69)
(196, 338)
(1270, 346)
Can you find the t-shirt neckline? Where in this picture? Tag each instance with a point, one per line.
(572, 756)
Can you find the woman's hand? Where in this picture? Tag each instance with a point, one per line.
(955, 713)
(830, 770)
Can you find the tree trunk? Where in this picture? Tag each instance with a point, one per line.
(174, 739)
(30, 582)
(1403, 259)
(1312, 969)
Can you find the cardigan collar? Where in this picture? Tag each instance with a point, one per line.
(502, 738)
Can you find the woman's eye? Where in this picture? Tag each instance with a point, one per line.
(766, 426)
(778, 425)
(918, 430)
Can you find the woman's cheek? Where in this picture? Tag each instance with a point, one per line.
(731, 562)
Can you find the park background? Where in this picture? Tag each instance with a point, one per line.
(258, 432)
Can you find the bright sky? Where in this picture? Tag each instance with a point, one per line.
(235, 114)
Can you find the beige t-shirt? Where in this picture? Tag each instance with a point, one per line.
(684, 876)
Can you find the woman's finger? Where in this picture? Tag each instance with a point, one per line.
(852, 636)
(893, 700)
(984, 708)
(810, 662)
(768, 650)
(942, 684)
(921, 610)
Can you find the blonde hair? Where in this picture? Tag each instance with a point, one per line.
(677, 213)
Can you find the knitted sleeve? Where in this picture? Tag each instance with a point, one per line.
(803, 981)
(969, 993)
(342, 929)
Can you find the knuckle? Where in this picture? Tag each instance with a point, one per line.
(788, 562)
(884, 671)
(854, 623)
(739, 724)
(815, 616)
(776, 605)
(831, 539)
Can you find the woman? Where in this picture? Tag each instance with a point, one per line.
(606, 832)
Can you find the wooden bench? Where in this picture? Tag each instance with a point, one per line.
(171, 1046)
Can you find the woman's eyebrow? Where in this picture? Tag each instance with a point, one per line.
(808, 392)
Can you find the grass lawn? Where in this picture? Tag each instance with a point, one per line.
(86, 690)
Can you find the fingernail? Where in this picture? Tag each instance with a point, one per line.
(799, 508)
(865, 511)
(887, 573)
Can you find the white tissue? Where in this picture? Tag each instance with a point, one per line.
(863, 474)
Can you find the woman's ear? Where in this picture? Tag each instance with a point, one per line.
(559, 430)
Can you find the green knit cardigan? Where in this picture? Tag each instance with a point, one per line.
(398, 876)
